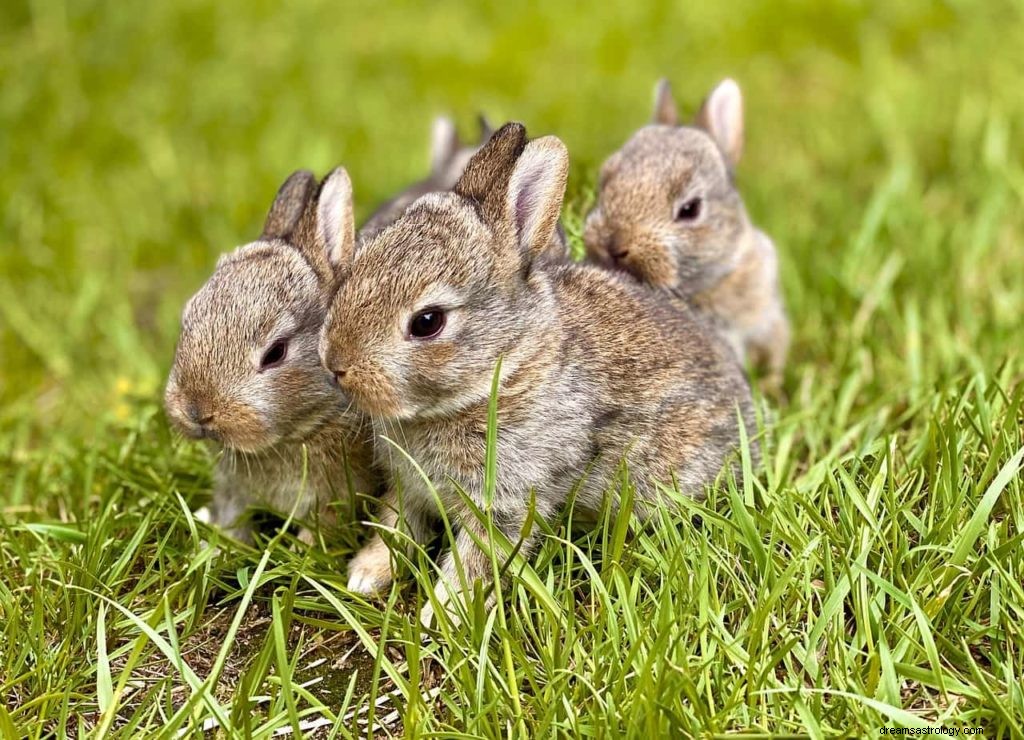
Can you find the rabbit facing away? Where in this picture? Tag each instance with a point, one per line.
(448, 158)
(595, 369)
(669, 213)
(247, 374)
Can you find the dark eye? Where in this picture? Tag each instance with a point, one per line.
(274, 355)
(689, 211)
(427, 324)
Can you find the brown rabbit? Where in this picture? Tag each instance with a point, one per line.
(448, 158)
(247, 374)
(668, 212)
(595, 369)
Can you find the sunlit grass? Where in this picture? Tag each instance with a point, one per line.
(869, 575)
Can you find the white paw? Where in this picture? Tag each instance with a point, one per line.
(202, 514)
(363, 583)
(369, 573)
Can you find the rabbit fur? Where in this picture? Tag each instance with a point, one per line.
(595, 368)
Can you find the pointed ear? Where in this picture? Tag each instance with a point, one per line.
(665, 111)
(444, 143)
(288, 206)
(486, 129)
(533, 201)
(486, 177)
(335, 220)
(721, 115)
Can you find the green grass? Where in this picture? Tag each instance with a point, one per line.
(870, 576)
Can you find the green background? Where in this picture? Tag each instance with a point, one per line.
(141, 142)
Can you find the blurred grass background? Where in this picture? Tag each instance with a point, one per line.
(138, 144)
(138, 141)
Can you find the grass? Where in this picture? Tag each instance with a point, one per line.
(870, 576)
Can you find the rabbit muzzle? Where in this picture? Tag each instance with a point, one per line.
(367, 387)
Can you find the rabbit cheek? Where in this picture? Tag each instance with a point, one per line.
(651, 263)
(709, 253)
(436, 355)
(437, 377)
(242, 427)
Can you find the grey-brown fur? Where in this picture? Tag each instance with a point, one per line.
(276, 287)
(595, 368)
(448, 158)
(719, 262)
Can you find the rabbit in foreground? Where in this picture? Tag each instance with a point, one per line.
(247, 374)
(594, 367)
(448, 158)
(669, 213)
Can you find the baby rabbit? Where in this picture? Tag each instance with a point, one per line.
(669, 213)
(448, 158)
(594, 368)
(247, 374)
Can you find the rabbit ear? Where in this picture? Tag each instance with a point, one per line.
(665, 111)
(533, 201)
(486, 129)
(518, 185)
(721, 115)
(444, 143)
(288, 206)
(485, 179)
(335, 220)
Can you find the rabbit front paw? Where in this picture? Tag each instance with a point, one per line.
(370, 570)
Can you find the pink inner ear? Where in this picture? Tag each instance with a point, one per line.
(526, 201)
(725, 123)
(720, 120)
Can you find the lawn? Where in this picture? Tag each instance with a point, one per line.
(870, 576)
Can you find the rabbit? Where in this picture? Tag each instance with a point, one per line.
(595, 368)
(668, 212)
(448, 158)
(246, 372)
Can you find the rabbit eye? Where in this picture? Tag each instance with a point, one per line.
(274, 355)
(427, 324)
(689, 211)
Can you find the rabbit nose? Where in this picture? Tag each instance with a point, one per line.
(199, 417)
(617, 249)
(337, 376)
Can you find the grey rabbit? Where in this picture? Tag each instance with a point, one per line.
(595, 368)
(669, 213)
(448, 158)
(247, 376)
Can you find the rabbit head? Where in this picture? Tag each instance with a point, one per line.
(246, 371)
(668, 211)
(430, 304)
(448, 158)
